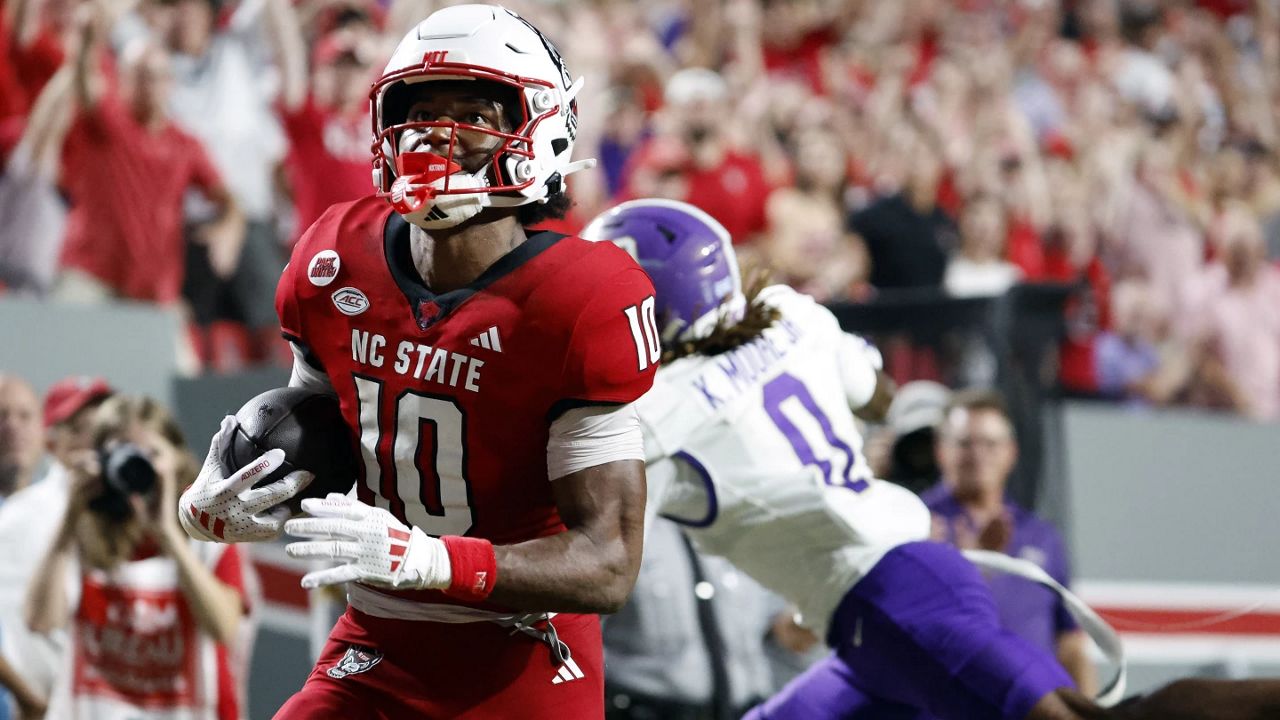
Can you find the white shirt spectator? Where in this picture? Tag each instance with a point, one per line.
(28, 522)
(225, 99)
(973, 278)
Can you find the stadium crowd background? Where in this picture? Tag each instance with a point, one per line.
(860, 150)
(853, 148)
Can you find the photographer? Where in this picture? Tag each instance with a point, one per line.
(158, 619)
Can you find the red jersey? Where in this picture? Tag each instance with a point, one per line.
(733, 192)
(452, 395)
(802, 60)
(328, 159)
(126, 186)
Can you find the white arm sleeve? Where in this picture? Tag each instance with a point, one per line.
(859, 362)
(589, 436)
(306, 376)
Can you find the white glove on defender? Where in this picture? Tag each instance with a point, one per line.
(229, 509)
(380, 549)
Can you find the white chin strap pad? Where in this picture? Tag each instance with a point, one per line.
(446, 211)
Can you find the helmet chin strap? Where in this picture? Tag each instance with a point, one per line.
(420, 176)
(415, 193)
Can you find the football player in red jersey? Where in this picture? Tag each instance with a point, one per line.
(487, 374)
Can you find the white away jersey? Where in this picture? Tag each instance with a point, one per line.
(756, 451)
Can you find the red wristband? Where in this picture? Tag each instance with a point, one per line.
(473, 565)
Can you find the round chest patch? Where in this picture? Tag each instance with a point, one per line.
(323, 268)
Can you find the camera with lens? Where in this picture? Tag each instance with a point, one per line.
(126, 471)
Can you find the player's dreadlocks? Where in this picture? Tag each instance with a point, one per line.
(728, 335)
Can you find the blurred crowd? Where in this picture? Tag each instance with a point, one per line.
(107, 608)
(169, 151)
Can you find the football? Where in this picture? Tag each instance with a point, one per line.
(308, 427)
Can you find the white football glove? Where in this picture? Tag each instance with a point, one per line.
(218, 508)
(378, 548)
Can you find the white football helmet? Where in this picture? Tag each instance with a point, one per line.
(476, 42)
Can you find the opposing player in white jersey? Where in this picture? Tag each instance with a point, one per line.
(751, 444)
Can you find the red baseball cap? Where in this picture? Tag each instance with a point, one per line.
(70, 395)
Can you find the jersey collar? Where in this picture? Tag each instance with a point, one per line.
(430, 307)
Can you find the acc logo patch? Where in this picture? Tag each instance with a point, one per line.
(323, 268)
(350, 301)
(356, 661)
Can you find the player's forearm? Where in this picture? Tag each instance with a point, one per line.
(592, 566)
(569, 572)
(1201, 699)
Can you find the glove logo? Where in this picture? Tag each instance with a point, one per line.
(398, 546)
(357, 660)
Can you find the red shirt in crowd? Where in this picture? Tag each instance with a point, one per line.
(12, 96)
(733, 192)
(1088, 314)
(37, 62)
(328, 161)
(1024, 248)
(126, 185)
(26, 68)
(801, 61)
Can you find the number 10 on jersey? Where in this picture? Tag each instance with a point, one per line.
(644, 331)
(433, 494)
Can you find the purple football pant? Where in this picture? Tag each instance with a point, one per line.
(920, 633)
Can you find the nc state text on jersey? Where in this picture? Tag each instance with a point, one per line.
(421, 362)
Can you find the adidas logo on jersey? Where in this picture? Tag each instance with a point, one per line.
(488, 340)
(568, 672)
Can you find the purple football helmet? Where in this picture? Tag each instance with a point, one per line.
(688, 256)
